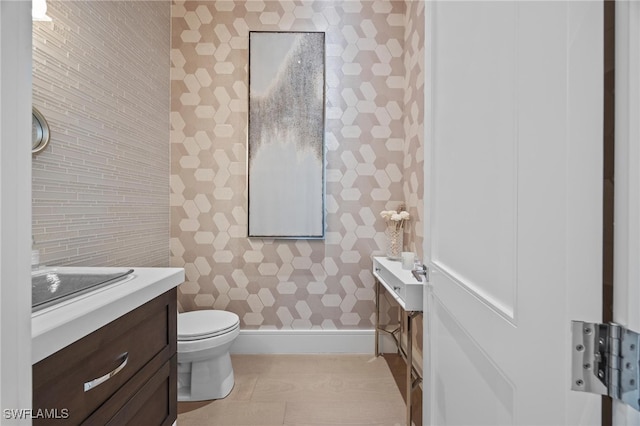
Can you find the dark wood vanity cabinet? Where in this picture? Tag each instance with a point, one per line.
(137, 350)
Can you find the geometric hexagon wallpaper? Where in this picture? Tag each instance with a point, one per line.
(373, 159)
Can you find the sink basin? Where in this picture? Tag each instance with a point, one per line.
(51, 286)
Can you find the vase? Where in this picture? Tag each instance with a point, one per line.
(394, 242)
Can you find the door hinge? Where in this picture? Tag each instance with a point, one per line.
(606, 361)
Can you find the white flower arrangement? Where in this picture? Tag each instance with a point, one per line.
(394, 218)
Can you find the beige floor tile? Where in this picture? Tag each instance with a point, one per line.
(354, 364)
(344, 413)
(323, 387)
(235, 413)
(299, 390)
(243, 387)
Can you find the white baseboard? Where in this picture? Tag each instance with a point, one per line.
(308, 342)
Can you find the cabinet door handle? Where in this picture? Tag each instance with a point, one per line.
(100, 380)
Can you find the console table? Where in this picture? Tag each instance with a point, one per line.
(406, 287)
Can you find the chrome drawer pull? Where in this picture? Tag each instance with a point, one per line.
(100, 380)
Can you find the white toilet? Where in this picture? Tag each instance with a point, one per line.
(204, 364)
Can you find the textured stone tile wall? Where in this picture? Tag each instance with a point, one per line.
(101, 187)
(285, 284)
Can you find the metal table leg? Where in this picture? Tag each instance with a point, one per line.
(409, 382)
(377, 330)
(407, 355)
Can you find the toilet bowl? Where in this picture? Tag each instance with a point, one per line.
(204, 363)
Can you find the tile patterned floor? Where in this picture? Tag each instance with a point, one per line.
(310, 390)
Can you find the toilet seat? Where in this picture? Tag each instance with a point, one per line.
(204, 324)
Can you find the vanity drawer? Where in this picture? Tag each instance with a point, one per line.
(145, 400)
(125, 345)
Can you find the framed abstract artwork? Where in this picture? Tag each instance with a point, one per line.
(286, 178)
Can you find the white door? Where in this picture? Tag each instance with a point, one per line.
(513, 158)
(627, 180)
(15, 209)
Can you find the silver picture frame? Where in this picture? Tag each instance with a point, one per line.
(286, 150)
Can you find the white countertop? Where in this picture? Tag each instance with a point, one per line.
(58, 326)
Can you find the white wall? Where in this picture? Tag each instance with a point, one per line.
(15, 208)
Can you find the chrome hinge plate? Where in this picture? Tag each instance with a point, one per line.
(606, 361)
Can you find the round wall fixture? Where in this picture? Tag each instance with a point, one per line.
(40, 132)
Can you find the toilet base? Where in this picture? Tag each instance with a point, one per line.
(205, 380)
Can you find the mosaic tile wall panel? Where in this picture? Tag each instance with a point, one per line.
(284, 284)
(101, 188)
(413, 183)
(413, 121)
